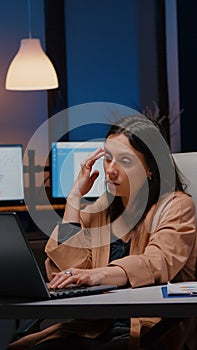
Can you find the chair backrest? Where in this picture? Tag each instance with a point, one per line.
(187, 164)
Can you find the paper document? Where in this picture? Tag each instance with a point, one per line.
(182, 288)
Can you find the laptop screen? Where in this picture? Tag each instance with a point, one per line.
(66, 158)
(11, 174)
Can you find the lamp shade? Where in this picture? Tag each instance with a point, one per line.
(31, 68)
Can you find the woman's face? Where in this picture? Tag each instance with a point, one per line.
(125, 167)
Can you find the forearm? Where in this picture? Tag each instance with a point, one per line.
(72, 209)
(115, 275)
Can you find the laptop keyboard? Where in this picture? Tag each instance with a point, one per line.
(77, 291)
(68, 292)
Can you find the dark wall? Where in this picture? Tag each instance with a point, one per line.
(107, 44)
(102, 52)
(111, 52)
(187, 36)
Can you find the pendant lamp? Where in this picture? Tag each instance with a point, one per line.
(31, 69)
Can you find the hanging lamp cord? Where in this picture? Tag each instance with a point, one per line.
(29, 17)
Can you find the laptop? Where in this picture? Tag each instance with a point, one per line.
(19, 270)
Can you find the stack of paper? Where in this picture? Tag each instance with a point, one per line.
(182, 288)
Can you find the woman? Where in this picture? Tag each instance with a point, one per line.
(140, 232)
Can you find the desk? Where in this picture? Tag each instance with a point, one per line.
(123, 303)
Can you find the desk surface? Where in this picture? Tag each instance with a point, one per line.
(123, 303)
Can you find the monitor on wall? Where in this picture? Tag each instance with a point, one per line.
(11, 175)
(66, 158)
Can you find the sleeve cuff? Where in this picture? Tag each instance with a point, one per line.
(67, 230)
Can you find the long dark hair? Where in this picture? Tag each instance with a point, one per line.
(145, 136)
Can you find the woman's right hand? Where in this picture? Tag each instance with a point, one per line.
(86, 177)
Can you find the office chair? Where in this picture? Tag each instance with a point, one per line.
(187, 164)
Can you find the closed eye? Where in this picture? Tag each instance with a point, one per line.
(125, 161)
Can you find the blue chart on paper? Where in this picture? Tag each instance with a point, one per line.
(166, 295)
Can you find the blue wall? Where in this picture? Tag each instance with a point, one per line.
(107, 44)
(102, 51)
